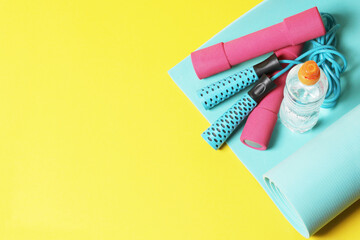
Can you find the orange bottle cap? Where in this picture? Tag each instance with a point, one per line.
(309, 73)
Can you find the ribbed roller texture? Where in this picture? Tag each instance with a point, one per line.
(219, 131)
(216, 93)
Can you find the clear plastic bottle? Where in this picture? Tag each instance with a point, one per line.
(304, 92)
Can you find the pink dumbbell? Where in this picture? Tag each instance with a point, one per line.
(261, 121)
(292, 31)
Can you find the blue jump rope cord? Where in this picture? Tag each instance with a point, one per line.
(324, 53)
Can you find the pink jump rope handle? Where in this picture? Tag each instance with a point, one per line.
(261, 121)
(292, 31)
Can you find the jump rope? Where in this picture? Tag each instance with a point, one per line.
(323, 52)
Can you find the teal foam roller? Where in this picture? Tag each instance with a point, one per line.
(218, 92)
(321, 179)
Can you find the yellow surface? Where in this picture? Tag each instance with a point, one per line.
(97, 142)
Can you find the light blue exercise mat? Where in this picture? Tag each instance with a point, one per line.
(313, 176)
(322, 178)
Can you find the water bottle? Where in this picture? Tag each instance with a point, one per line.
(304, 92)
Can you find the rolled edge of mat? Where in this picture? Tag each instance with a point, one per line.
(321, 179)
(287, 209)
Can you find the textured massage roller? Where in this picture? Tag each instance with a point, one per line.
(218, 92)
(293, 30)
(222, 128)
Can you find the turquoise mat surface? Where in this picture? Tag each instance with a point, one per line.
(283, 142)
(322, 178)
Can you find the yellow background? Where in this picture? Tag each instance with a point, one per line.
(97, 142)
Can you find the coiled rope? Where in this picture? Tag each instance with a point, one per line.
(324, 53)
